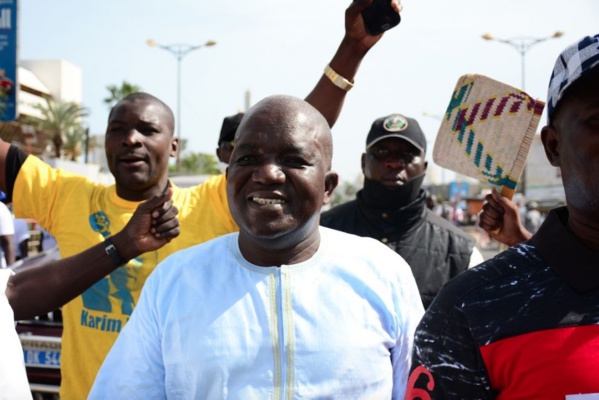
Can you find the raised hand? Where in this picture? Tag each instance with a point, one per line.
(500, 218)
(152, 225)
(354, 25)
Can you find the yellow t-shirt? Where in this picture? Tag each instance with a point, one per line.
(79, 214)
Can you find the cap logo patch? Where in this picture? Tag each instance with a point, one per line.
(395, 123)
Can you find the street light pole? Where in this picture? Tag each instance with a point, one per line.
(523, 44)
(179, 50)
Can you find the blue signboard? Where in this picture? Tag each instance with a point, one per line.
(458, 191)
(8, 60)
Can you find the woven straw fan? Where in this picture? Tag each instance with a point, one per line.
(487, 131)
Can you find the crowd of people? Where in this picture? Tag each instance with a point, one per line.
(241, 288)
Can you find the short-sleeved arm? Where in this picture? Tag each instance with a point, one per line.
(41, 192)
(34, 191)
(134, 366)
(446, 361)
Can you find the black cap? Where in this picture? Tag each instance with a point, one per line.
(397, 126)
(230, 125)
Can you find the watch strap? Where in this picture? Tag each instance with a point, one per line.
(113, 252)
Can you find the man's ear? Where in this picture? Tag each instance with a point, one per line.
(331, 180)
(174, 147)
(550, 139)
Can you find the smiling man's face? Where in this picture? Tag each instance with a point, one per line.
(279, 175)
(139, 142)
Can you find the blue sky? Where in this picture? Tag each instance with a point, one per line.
(281, 47)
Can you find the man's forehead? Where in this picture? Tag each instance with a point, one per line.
(269, 140)
(267, 129)
(145, 109)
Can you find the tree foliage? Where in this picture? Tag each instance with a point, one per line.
(118, 93)
(61, 119)
(198, 163)
(74, 141)
(345, 192)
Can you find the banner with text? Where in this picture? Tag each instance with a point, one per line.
(8, 60)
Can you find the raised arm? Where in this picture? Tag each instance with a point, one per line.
(44, 288)
(501, 220)
(326, 97)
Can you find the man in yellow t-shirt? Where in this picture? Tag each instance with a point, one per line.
(80, 213)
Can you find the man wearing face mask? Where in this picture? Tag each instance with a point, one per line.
(391, 207)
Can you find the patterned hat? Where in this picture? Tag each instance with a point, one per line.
(397, 126)
(575, 61)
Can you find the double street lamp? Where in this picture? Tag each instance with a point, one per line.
(179, 50)
(523, 44)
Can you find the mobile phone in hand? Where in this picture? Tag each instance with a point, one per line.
(379, 16)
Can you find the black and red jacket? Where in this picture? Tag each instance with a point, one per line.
(523, 325)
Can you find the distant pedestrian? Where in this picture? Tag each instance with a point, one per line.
(458, 215)
(532, 218)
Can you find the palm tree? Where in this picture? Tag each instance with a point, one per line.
(73, 143)
(59, 119)
(118, 93)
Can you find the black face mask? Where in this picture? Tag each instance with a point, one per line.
(377, 195)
